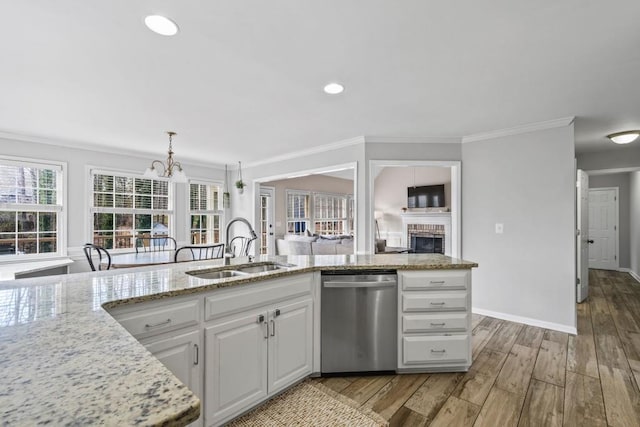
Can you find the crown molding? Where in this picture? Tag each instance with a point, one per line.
(531, 127)
(79, 145)
(308, 152)
(412, 140)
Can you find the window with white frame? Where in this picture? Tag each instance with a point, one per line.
(31, 207)
(205, 212)
(125, 206)
(298, 215)
(330, 214)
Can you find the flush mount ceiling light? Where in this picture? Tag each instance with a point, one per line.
(334, 88)
(624, 137)
(161, 25)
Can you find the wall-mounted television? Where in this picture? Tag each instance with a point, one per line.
(426, 196)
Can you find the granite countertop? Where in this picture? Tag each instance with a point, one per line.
(65, 361)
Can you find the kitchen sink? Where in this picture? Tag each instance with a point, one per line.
(213, 275)
(261, 268)
(240, 270)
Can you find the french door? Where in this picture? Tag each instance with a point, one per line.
(267, 214)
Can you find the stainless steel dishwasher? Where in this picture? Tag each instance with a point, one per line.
(359, 321)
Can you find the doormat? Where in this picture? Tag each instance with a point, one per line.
(310, 404)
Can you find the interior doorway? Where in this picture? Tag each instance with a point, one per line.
(396, 219)
(603, 228)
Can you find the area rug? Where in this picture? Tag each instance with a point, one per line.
(310, 404)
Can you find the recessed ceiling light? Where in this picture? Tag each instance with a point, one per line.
(161, 25)
(624, 137)
(333, 88)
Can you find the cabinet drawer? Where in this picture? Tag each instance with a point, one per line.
(441, 322)
(162, 318)
(455, 279)
(434, 301)
(229, 301)
(435, 349)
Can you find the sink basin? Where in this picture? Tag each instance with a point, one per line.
(213, 275)
(260, 268)
(240, 270)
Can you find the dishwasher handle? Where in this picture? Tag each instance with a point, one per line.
(371, 284)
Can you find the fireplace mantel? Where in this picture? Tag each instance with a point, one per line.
(437, 218)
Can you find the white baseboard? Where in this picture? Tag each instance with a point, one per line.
(526, 320)
(632, 273)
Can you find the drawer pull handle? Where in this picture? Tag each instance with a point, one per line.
(155, 325)
(438, 324)
(438, 351)
(437, 282)
(437, 303)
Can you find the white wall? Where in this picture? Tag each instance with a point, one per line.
(78, 185)
(321, 183)
(620, 180)
(634, 197)
(617, 157)
(391, 194)
(357, 151)
(527, 183)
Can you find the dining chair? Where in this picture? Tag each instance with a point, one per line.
(91, 250)
(157, 243)
(241, 245)
(199, 252)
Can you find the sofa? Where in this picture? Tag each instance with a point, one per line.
(293, 244)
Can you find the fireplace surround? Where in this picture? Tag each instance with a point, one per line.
(430, 231)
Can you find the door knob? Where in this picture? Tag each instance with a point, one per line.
(589, 241)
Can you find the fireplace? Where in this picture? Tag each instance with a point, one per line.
(427, 232)
(426, 238)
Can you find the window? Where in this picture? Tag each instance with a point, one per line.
(31, 207)
(298, 216)
(205, 210)
(331, 213)
(125, 206)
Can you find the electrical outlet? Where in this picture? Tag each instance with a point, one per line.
(499, 228)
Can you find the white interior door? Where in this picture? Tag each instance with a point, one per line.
(582, 235)
(267, 215)
(603, 225)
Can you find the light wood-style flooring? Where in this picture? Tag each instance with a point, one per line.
(527, 376)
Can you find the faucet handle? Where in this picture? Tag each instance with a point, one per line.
(251, 258)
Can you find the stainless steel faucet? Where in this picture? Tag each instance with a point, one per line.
(229, 249)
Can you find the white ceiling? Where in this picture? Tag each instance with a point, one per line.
(243, 80)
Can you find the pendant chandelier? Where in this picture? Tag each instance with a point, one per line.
(171, 169)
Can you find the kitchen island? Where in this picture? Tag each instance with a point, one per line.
(64, 360)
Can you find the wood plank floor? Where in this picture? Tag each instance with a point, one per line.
(527, 376)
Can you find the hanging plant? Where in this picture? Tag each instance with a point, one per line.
(240, 183)
(226, 196)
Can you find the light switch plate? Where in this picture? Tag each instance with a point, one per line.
(499, 228)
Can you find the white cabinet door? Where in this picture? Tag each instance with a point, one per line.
(290, 343)
(236, 366)
(181, 355)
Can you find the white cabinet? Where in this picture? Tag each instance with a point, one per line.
(256, 347)
(434, 329)
(250, 357)
(170, 330)
(181, 354)
(290, 344)
(236, 365)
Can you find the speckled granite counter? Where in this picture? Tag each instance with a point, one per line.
(65, 361)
